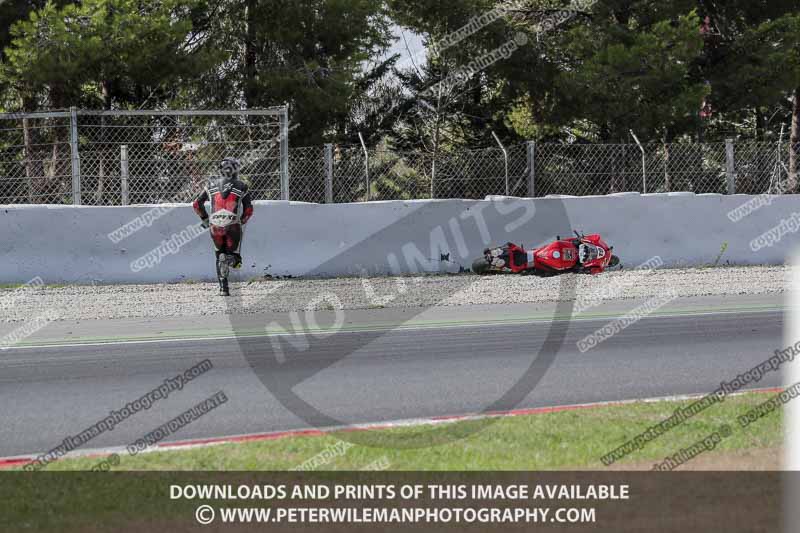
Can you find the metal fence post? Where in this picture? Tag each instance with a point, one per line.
(123, 167)
(505, 158)
(775, 177)
(76, 162)
(328, 173)
(433, 175)
(284, 120)
(644, 163)
(531, 168)
(366, 163)
(26, 139)
(730, 166)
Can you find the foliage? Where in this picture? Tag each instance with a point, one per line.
(589, 71)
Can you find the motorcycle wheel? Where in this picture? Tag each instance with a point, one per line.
(480, 266)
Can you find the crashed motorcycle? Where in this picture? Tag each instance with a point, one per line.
(585, 254)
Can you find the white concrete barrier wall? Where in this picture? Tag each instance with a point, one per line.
(65, 244)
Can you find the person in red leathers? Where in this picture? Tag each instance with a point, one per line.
(231, 208)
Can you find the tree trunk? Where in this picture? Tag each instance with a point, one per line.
(29, 140)
(101, 178)
(101, 174)
(58, 177)
(26, 134)
(761, 126)
(794, 142)
(53, 171)
(250, 55)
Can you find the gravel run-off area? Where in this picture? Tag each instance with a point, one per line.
(193, 299)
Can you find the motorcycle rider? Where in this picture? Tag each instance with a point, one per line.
(231, 208)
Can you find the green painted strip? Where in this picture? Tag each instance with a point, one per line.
(393, 326)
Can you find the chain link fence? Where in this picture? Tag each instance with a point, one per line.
(137, 157)
(588, 169)
(145, 157)
(338, 174)
(36, 159)
(536, 170)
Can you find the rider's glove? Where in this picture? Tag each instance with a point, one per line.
(205, 223)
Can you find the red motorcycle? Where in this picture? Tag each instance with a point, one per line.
(585, 254)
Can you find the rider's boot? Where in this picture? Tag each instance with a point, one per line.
(222, 277)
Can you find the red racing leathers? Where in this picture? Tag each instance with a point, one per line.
(231, 208)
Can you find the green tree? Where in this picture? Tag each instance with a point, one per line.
(443, 114)
(613, 67)
(595, 70)
(750, 61)
(311, 54)
(101, 53)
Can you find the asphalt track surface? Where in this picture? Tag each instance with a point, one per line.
(450, 367)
